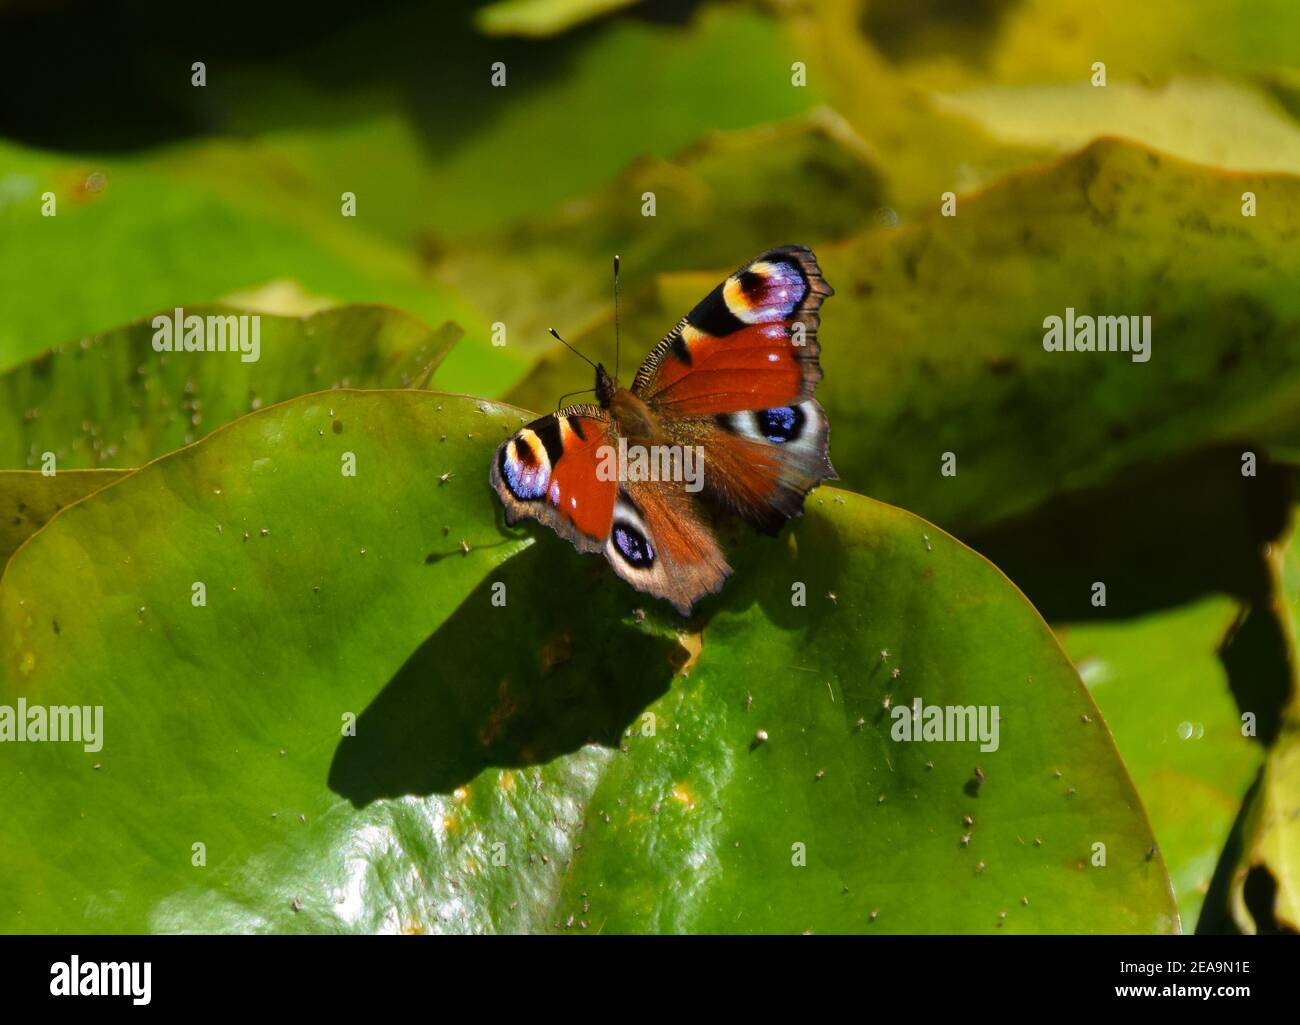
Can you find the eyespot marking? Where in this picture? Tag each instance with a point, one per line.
(765, 291)
(781, 424)
(632, 545)
(525, 466)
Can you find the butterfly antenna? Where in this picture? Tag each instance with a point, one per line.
(616, 337)
(556, 335)
(581, 391)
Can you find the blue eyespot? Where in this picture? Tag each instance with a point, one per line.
(779, 425)
(633, 545)
(773, 294)
(524, 473)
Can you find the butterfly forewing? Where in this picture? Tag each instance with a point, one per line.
(547, 472)
(738, 374)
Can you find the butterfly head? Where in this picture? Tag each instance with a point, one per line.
(606, 386)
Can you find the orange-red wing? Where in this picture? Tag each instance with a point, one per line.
(750, 344)
(547, 471)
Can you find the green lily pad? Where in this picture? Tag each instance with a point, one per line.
(1163, 689)
(28, 499)
(1184, 117)
(491, 679)
(129, 237)
(937, 43)
(114, 400)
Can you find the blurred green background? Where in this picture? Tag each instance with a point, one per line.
(838, 124)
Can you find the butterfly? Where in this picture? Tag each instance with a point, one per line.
(731, 384)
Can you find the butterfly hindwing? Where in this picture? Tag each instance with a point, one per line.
(660, 545)
(760, 463)
(649, 531)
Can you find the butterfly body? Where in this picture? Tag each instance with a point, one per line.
(733, 382)
(633, 418)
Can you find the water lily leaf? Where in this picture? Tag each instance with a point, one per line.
(98, 261)
(113, 400)
(1163, 689)
(28, 499)
(83, 404)
(386, 714)
(1184, 117)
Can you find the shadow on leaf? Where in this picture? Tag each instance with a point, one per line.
(562, 663)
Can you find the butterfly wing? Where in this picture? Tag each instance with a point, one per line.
(659, 544)
(737, 376)
(547, 471)
(651, 533)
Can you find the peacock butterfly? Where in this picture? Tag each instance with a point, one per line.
(729, 392)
